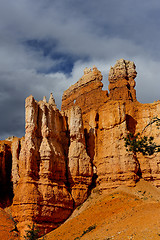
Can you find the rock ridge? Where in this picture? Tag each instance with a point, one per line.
(43, 194)
(89, 76)
(66, 153)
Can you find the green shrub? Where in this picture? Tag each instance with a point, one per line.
(137, 143)
(32, 233)
(90, 228)
(145, 145)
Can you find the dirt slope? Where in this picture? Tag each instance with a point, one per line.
(7, 227)
(127, 213)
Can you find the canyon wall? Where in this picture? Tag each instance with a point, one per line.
(65, 153)
(108, 120)
(52, 172)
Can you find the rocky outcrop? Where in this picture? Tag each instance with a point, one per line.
(41, 196)
(86, 93)
(115, 166)
(43, 192)
(15, 148)
(108, 121)
(64, 154)
(79, 163)
(121, 78)
(138, 117)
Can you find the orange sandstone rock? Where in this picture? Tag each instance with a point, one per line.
(114, 165)
(139, 116)
(86, 93)
(79, 163)
(121, 78)
(52, 177)
(15, 148)
(107, 120)
(41, 195)
(54, 166)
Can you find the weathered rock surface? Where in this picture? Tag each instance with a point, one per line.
(109, 120)
(41, 196)
(40, 177)
(79, 163)
(54, 165)
(139, 116)
(15, 148)
(121, 78)
(125, 213)
(114, 165)
(6, 193)
(87, 92)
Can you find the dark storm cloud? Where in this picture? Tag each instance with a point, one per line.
(45, 45)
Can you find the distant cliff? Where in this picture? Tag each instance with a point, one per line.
(66, 153)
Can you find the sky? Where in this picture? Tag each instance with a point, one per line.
(46, 44)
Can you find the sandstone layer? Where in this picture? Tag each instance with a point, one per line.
(79, 163)
(64, 154)
(108, 122)
(47, 186)
(86, 93)
(121, 78)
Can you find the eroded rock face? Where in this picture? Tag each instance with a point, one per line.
(121, 78)
(140, 116)
(54, 165)
(40, 176)
(109, 120)
(115, 166)
(41, 195)
(79, 163)
(86, 93)
(15, 148)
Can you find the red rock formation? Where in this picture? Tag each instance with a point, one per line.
(139, 116)
(108, 120)
(53, 166)
(41, 195)
(41, 184)
(86, 93)
(15, 147)
(114, 165)
(79, 165)
(121, 78)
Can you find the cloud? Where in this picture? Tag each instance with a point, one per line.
(45, 45)
(147, 80)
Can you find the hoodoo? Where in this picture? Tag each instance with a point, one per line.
(65, 153)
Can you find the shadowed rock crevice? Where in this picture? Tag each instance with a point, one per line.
(131, 124)
(6, 185)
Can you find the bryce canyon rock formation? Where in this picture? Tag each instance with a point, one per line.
(65, 153)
